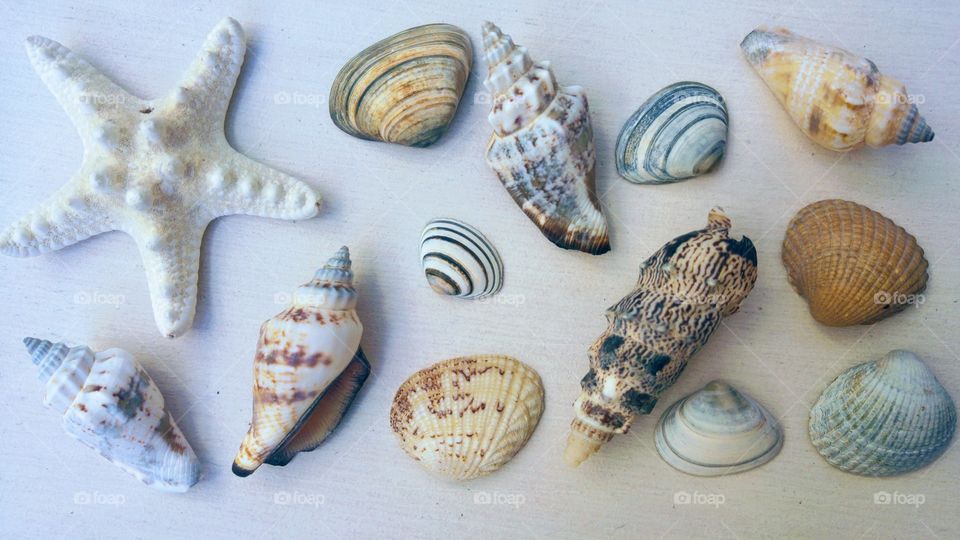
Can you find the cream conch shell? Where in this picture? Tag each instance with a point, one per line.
(466, 417)
(542, 146)
(883, 418)
(838, 99)
(683, 292)
(307, 371)
(110, 403)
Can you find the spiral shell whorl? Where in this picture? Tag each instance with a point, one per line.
(63, 370)
(331, 287)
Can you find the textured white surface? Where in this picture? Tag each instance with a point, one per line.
(378, 197)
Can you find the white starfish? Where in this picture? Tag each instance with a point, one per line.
(160, 170)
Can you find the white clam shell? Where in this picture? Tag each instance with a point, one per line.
(110, 403)
(717, 430)
(466, 417)
(678, 133)
(883, 418)
(458, 260)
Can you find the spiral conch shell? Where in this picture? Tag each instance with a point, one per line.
(403, 89)
(465, 417)
(883, 418)
(110, 403)
(307, 371)
(853, 265)
(542, 146)
(683, 292)
(840, 100)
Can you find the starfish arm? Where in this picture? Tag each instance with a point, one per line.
(64, 219)
(171, 259)
(244, 186)
(87, 95)
(209, 82)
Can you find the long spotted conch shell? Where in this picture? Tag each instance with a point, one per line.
(838, 99)
(307, 371)
(853, 265)
(685, 289)
(542, 146)
(110, 403)
(465, 417)
(403, 89)
(883, 418)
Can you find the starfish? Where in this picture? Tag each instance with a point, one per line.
(159, 170)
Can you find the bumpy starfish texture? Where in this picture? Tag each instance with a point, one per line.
(160, 170)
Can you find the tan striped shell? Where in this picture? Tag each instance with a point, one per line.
(852, 264)
(465, 417)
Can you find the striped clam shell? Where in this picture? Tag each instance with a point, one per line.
(403, 89)
(458, 260)
(883, 418)
(679, 132)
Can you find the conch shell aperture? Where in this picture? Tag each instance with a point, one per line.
(838, 99)
(683, 292)
(307, 371)
(542, 146)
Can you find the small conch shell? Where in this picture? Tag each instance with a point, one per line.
(853, 265)
(717, 430)
(542, 146)
(403, 89)
(307, 371)
(466, 417)
(110, 403)
(883, 418)
(458, 260)
(838, 99)
(678, 133)
(685, 289)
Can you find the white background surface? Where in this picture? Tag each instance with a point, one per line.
(377, 198)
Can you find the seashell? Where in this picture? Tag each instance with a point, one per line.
(840, 100)
(716, 431)
(307, 371)
(883, 418)
(459, 261)
(685, 289)
(678, 133)
(542, 146)
(403, 89)
(465, 417)
(110, 403)
(851, 264)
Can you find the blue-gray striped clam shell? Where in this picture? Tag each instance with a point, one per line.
(883, 418)
(680, 132)
(458, 260)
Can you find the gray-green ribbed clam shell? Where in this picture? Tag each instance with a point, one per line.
(678, 133)
(883, 418)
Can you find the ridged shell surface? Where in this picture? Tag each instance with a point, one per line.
(839, 100)
(465, 417)
(307, 370)
(678, 133)
(542, 146)
(852, 265)
(110, 403)
(883, 418)
(717, 430)
(684, 290)
(458, 260)
(404, 89)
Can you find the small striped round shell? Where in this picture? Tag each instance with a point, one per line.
(404, 89)
(883, 418)
(678, 133)
(465, 417)
(852, 264)
(458, 260)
